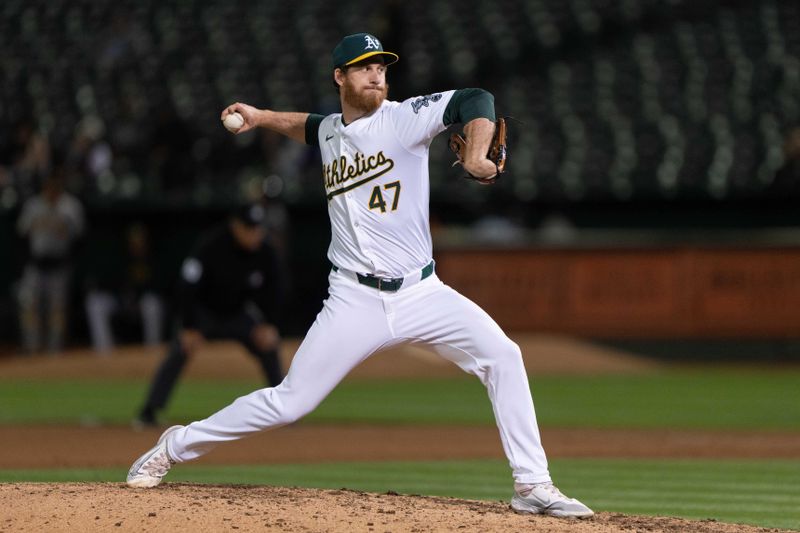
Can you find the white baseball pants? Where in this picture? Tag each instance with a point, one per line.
(355, 322)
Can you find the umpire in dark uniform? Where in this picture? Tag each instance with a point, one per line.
(230, 288)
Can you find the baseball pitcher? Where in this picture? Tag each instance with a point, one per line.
(383, 289)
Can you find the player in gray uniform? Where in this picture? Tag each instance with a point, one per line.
(383, 287)
(53, 222)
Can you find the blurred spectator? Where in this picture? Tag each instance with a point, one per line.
(171, 154)
(52, 222)
(90, 156)
(129, 137)
(25, 158)
(787, 178)
(134, 298)
(122, 41)
(231, 288)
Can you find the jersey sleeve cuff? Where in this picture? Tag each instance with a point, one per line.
(312, 129)
(469, 104)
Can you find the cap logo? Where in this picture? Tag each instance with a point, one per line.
(372, 43)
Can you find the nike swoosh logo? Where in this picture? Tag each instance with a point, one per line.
(328, 137)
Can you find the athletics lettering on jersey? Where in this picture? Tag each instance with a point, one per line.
(424, 101)
(341, 171)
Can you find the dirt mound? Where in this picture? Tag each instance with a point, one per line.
(191, 507)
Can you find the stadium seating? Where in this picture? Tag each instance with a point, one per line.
(621, 100)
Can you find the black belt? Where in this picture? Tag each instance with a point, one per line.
(388, 284)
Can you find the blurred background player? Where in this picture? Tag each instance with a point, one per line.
(231, 287)
(52, 222)
(133, 297)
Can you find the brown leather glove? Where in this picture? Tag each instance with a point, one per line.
(497, 151)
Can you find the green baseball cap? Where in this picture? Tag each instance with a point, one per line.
(360, 46)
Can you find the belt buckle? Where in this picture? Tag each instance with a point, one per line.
(388, 281)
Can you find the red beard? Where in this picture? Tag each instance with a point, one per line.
(365, 100)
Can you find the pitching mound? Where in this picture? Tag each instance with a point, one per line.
(190, 507)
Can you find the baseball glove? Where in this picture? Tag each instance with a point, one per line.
(497, 151)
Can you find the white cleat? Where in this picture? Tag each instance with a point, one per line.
(148, 469)
(545, 498)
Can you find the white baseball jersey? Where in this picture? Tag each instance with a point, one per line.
(375, 172)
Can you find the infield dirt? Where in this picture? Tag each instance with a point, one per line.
(190, 507)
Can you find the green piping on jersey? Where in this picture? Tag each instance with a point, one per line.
(312, 128)
(469, 104)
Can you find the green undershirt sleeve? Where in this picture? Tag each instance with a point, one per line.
(469, 104)
(312, 129)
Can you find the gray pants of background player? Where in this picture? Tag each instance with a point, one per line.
(100, 308)
(42, 304)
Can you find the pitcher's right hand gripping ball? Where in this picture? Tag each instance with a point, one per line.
(497, 151)
(239, 117)
(233, 122)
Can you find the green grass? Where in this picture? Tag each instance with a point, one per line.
(711, 400)
(763, 492)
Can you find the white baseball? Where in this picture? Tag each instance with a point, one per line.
(233, 122)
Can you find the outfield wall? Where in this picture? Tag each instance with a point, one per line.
(682, 291)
